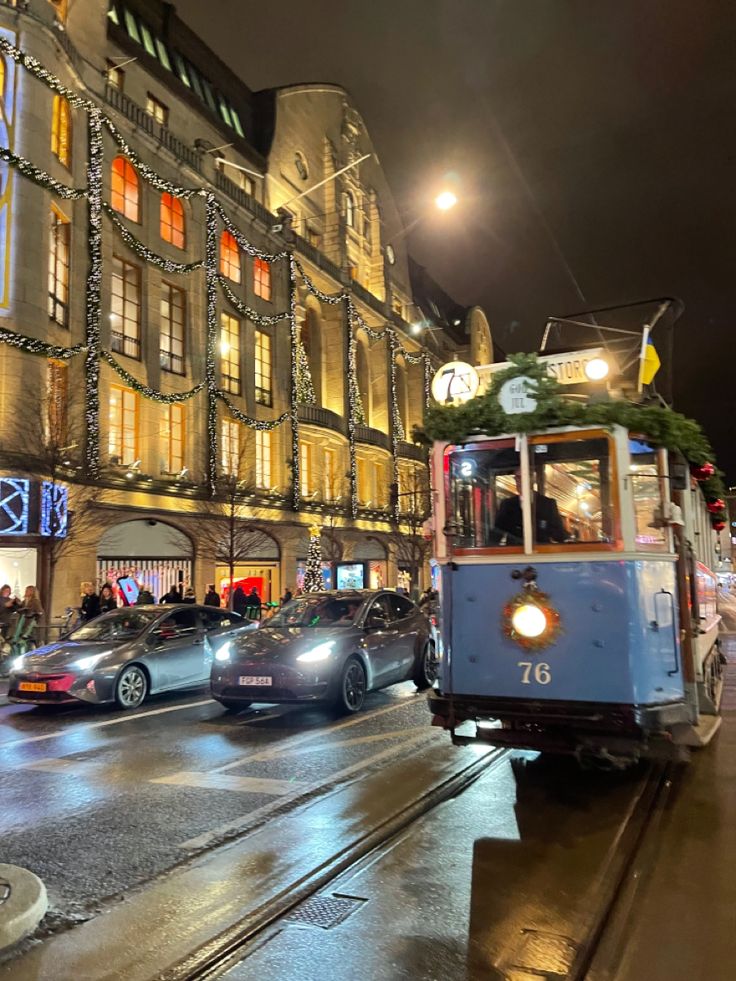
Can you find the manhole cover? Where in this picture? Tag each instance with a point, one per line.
(324, 911)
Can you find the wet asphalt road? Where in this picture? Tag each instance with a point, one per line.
(98, 802)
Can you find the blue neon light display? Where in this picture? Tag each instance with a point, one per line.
(15, 495)
(54, 509)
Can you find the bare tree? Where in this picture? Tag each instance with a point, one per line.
(408, 538)
(52, 450)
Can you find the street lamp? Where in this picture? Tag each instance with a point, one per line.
(445, 200)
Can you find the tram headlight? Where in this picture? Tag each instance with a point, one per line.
(528, 620)
(597, 369)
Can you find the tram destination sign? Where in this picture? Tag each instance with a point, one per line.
(567, 369)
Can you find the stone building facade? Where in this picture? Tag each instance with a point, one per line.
(205, 308)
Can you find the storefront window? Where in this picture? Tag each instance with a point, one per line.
(572, 491)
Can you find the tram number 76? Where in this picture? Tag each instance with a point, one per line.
(539, 673)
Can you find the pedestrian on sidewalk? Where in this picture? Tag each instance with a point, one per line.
(90, 607)
(211, 598)
(173, 595)
(145, 597)
(189, 595)
(287, 597)
(8, 608)
(239, 601)
(31, 611)
(107, 599)
(253, 604)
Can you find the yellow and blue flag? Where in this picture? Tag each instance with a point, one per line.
(650, 363)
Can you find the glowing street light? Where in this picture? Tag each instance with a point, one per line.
(445, 200)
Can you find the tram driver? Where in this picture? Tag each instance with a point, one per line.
(549, 526)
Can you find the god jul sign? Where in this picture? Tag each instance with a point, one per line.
(517, 395)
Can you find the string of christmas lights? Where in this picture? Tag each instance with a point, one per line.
(210, 360)
(148, 173)
(93, 295)
(31, 345)
(135, 244)
(261, 425)
(304, 385)
(34, 66)
(356, 413)
(150, 393)
(243, 242)
(261, 320)
(294, 394)
(40, 177)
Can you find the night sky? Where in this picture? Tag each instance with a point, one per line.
(593, 143)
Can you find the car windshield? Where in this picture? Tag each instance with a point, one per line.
(317, 611)
(121, 625)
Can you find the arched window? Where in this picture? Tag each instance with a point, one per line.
(349, 205)
(125, 193)
(229, 257)
(363, 372)
(172, 220)
(61, 131)
(312, 343)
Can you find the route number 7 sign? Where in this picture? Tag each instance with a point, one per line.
(454, 383)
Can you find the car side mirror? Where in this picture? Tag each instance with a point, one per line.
(376, 622)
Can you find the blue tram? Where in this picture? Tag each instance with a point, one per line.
(577, 600)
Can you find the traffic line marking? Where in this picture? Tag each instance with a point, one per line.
(207, 837)
(226, 781)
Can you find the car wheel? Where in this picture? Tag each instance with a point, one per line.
(351, 690)
(425, 670)
(233, 704)
(131, 687)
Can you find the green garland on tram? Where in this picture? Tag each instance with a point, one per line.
(484, 414)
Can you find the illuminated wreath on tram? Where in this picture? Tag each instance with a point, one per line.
(531, 620)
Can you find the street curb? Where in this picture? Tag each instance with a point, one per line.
(23, 903)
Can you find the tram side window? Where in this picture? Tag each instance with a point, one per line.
(482, 485)
(647, 498)
(573, 492)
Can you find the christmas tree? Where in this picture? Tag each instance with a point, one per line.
(313, 581)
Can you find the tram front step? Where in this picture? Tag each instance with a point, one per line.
(699, 735)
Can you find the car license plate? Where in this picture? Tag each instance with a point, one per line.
(32, 686)
(251, 681)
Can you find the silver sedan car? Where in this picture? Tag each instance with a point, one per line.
(125, 655)
(327, 647)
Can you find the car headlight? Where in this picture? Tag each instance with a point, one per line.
(529, 621)
(224, 653)
(319, 653)
(87, 663)
(17, 664)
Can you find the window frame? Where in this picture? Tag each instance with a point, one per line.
(262, 278)
(134, 339)
(229, 456)
(58, 245)
(170, 426)
(228, 265)
(157, 110)
(62, 131)
(172, 220)
(131, 203)
(263, 369)
(264, 453)
(123, 392)
(168, 291)
(233, 384)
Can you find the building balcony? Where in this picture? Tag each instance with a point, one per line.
(374, 437)
(410, 451)
(315, 415)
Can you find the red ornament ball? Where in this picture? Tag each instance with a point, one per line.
(715, 506)
(703, 471)
(719, 525)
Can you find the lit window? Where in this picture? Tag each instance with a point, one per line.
(125, 309)
(263, 458)
(172, 220)
(263, 368)
(242, 180)
(230, 448)
(61, 131)
(163, 54)
(57, 395)
(115, 76)
(131, 26)
(237, 125)
(173, 318)
(157, 109)
(330, 483)
(262, 278)
(365, 497)
(60, 6)
(125, 194)
(148, 40)
(229, 257)
(349, 207)
(172, 436)
(305, 468)
(378, 485)
(230, 353)
(123, 420)
(59, 249)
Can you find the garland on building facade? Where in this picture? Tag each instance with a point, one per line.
(313, 581)
(302, 389)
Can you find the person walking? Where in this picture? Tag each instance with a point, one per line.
(211, 598)
(173, 595)
(239, 601)
(90, 607)
(189, 595)
(145, 597)
(8, 610)
(31, 611)
(287, 597)
(253, 605)
(107, 599)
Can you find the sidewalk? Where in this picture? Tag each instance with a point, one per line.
(681, 925)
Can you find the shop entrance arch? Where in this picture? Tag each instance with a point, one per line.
(156, 554)
(257, 566)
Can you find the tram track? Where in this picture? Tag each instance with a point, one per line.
(525, 947)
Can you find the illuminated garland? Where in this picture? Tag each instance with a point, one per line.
(294, 395)
(304, 386)
(210, 360)
(135, 244)
(31, 345)
(356, 413)
(146, 172)
(32, 65)
(40, 177)
(261, 320)
(397, 429)
(261, 425)
(93, 294)
(149, 393)
(243, 242)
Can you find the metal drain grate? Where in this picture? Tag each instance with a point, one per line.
(325, 911)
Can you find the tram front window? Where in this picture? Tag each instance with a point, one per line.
(573, 495)
(481, 482)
